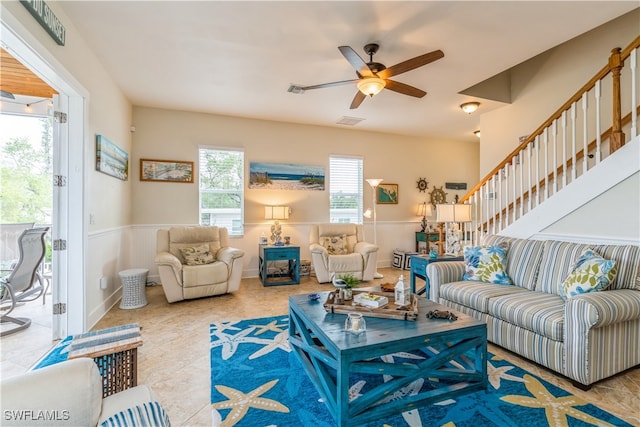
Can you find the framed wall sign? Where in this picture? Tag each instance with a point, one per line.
(387, 194)
(166, 170)
(111, 159)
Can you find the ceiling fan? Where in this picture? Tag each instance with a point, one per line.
(374, 76)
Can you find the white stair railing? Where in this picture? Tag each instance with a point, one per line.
(550, 158)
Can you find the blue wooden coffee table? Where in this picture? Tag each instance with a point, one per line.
(454, 364)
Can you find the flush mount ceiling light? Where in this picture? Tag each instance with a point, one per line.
(469, 107)
(371, 85)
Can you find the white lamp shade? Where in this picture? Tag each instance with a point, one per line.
(371, 85)
(453, 213)
(424, 209)
(276, 212)
(374, 182)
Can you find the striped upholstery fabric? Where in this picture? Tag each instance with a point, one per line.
(627, 258)
(477, 295)
(443, 272)
(148, 414)
(587, 338)
(559, 257)
(542, 350)
(603, 334)
(535, 311)
(523, 258)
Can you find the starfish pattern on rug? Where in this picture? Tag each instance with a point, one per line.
(557, 409)
(230, 343)
(223, 326)
(240, 402)
(497, 373)
(280, 341)
(271, 326)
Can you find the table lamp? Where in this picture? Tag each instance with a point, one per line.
(424, 210)
(451, 215)
(276, 213)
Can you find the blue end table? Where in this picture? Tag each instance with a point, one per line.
(419, 265)
(289, 253)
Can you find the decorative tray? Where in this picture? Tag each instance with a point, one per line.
(389, 311)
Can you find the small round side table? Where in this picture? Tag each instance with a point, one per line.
(133, 286)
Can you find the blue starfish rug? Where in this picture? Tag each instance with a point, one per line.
(257, 380)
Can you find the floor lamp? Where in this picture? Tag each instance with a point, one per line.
(374, 182)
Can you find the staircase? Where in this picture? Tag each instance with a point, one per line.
(569, 160)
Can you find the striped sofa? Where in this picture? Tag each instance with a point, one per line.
(586, 338)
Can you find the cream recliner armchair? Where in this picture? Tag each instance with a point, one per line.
(69, 393)
(196, 262)
(341, 249)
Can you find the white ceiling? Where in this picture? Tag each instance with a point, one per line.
(239, 58)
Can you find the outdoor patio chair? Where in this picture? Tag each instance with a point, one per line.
(9, 252)
(24, 283)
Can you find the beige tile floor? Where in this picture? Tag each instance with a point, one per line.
(174, 359)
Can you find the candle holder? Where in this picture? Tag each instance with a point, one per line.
(355, 324)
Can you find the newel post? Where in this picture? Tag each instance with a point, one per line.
(617, 136)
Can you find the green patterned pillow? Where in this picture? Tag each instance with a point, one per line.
(198, 255)
(591, 273)
(486, 264)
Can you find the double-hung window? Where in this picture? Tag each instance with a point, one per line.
(221, 174)
(345, 189)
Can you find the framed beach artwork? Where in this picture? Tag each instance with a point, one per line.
(387, 194)
(111, 159)
(166, 171)
(286, 176)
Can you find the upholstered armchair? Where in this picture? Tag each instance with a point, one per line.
(341, 249)
(70, 393)
(195, 262)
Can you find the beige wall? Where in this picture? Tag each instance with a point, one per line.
(166, 134)
(542, 84)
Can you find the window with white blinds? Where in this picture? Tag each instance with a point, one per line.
(345, 189)
(221, 174)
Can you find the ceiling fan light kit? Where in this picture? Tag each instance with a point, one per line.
(371, 85)
(469, 107)
(373, 76)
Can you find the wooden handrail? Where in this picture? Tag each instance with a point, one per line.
(622, 54)
(559, 170)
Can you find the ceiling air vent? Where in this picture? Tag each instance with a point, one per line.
(349, 121)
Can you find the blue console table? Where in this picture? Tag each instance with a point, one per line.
(419, 265)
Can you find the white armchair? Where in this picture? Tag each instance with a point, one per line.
(69, 393)
(342, 249)
(195, 262)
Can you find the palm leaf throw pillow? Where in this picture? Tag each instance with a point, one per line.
(591, 273)
(486, 264)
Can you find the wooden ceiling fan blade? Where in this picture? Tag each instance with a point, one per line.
(411, 64)
(356, 62)
(323, 85)
(357, 100)
(404, 89)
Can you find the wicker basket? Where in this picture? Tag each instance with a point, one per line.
(118, 371)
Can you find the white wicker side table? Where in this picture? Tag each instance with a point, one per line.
(133, 286)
